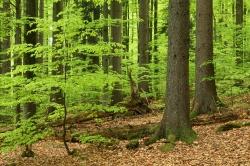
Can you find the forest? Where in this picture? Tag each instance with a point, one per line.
(124, 82)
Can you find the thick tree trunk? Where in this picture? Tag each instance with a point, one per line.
(205, 88)
(175, 121)
(239, 34)
(143, 45)
(116, 34)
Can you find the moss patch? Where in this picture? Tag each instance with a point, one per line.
(230, 126)
(184, 134)
(133, 144)
(167, 147)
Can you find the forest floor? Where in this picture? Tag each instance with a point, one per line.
(211, 148)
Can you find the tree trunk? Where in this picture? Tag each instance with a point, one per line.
(5, 57)
(125, 40)
(116, 34)
(57, 96)
(105, 32)
(239, 34)
(205, 88)
(94, 39)
(175, 121)
(18, 60)
(143, 48)
(30, 37)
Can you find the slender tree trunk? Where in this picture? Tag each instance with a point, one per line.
(125, 40)
(57, 96)
(175, 121)
(30, 37)
(41, 15)
(105, 32)
(116, 35)
(94, 39)
(143, 45)
(205, 88)
(18, 40)
(239, 34)
(5, 57)
(105, 58)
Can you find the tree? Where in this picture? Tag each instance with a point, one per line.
(239, 35)
(116, 37)
(57, 94)
(105, 31)
(143, 44)
(175, 122)
(5, 57)
(30, 37)
(205, 88)
(18, 40)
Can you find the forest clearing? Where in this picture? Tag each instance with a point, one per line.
(124, 82)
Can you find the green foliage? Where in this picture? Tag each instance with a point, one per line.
(167, 147)
(230, 126)
(26, 133)
(133, 144)
(97, 140)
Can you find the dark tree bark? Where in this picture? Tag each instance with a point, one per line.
(5, 57)
(239, 35)
(125, 40)
(105, 32)
(116, 35)
(155, 29)
(18, 40)
(175, 121)
(57, 96)
(143, 45)
(94, 39)
(41, 15)
(30, 37)
(205, 88)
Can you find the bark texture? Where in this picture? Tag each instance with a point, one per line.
(205, 88)
(175, 122)
(143, 45)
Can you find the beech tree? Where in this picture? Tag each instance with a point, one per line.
(30, 37)
(5, 57)
(205, 88)
(175, 122)
(143, 45)
(239, 28)
(57, 94)
(116, 37)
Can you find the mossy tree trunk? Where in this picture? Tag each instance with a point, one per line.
(175, 122)
(205, 89)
